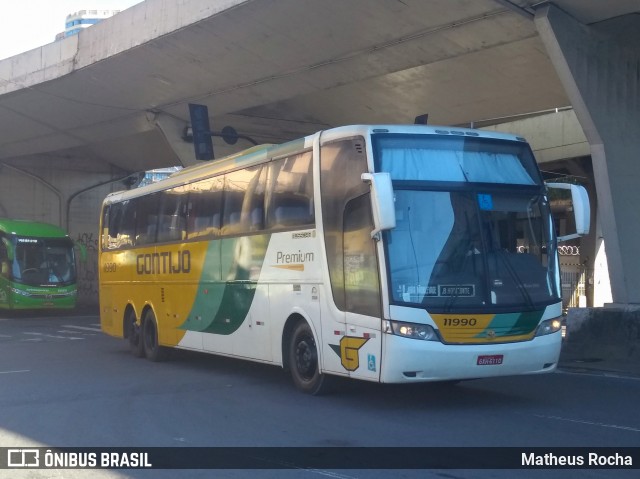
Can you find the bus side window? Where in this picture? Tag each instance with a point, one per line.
(147, 219)
(104, 237)
(361, 284)
(290, 199)
(173, 212)
(4, 260)
(290, 211)
(253, 204)
(113, 214)
(120, 225)
(235, 188)
(204, 208)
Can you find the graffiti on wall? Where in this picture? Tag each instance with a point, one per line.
(88, 270)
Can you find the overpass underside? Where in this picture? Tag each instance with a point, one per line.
(78, 116)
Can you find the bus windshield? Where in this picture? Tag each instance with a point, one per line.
(473, 227)
(43, 261)
(450, 251)
(455, 159)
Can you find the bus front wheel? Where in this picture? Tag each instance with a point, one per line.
(303, 362)
(152, 348)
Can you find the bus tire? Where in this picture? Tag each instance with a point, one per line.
(152, 349)
(303, 362)
(134, 334)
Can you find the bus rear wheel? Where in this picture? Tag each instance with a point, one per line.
(134, 333)
(303, 362)
(152, 349)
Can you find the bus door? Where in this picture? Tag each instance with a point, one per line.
(362, 292)
(354, 314)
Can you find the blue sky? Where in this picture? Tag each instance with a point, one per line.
(28, 24)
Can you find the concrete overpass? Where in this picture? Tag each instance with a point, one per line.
(113, 100)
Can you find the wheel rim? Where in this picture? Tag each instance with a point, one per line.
(306, 358)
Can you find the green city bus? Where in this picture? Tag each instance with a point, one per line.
(37, 266)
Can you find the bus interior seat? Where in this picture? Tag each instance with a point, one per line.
(171, 228)
(202, 223)
(216, 221)
(256, 219)
(292, 214)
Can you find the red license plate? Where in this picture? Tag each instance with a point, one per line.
(490, 360)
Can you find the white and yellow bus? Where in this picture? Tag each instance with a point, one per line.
(394, 254)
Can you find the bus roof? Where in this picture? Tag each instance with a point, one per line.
(245, 158)
(261, 153)
(31, 228)
(365, 130)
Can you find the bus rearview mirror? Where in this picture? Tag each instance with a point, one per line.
(382, 202)
(581, 209)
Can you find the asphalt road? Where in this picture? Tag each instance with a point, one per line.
(65, 384)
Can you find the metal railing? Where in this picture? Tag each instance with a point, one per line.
(574, 286)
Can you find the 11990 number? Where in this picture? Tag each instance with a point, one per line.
(460, 322)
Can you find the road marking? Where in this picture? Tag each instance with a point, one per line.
(328, 473)
(76, 332)
(589, 423)
(83, 328)
(5, 336)
(599, 374)
(51, 336)
(14, 372)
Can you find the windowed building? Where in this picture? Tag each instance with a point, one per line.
(82, 19)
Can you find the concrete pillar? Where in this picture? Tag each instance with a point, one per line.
(600, 72)
(601, 280)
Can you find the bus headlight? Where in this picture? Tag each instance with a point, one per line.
(411, 330)
(549, 326)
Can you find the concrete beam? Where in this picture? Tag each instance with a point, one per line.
(601, 75)
(553, 136)
(172, 128)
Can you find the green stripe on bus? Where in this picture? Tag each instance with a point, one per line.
(512, 324)
(227, 285)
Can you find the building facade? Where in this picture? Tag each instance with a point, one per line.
(78, 21)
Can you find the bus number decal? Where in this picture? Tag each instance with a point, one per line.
(109, 267)
(463, 322)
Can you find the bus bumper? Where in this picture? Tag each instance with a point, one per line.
(410, 360)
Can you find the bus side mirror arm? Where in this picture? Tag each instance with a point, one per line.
(581, 209)
(382, 202)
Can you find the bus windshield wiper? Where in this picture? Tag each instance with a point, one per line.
(514, 275)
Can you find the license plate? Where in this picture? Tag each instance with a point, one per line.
(490, 360)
